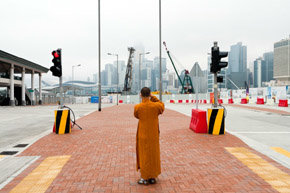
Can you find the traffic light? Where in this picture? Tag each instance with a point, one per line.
(216, 56)
(56, 69)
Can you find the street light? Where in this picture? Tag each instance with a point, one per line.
(110, 54)
(73, 77)
(160, 67)
(140, 71)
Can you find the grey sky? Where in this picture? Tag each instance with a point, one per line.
(33, 28)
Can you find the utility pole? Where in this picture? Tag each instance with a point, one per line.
(100, 93)
(160, 66)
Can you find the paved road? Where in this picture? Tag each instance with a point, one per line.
(19, 123)
(261, 130)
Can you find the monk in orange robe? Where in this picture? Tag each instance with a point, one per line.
(147, 139)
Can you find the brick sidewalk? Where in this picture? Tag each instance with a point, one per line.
(103, 157)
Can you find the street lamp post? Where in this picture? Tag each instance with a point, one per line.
(117, 77)
(73, 77)
(140, 72)
(99, 29)
(160, 67)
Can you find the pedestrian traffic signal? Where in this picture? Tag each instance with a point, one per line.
(56, 69)
(216, 56)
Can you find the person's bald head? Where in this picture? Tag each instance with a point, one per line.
(145, 92)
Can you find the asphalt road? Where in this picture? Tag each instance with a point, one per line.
(18, 123)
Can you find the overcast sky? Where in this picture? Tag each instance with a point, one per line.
(33, 28)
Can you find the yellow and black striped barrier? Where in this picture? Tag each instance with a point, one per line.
(62, 121)
(216, 121)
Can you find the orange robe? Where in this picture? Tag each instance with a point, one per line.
(147, 139)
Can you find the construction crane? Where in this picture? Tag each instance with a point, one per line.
(186, 84)
(128, 77)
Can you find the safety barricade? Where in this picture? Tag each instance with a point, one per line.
(120, 101)
(192, 101)
(244, 101)
(260, 101)
(216, 121)
(220, 101)
(186, 101)
(171, 101)
(231, 101)
(198, 121)
(62, 123)
(204, 102)
(179, 101)
(283, 103)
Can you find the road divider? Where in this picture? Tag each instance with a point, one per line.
(283, 103)
(260, 101)
(198, 121)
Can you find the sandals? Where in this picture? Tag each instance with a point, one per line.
(142, 181)
(147, 182)
(152, 181)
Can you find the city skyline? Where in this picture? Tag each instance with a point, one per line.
(188, 27)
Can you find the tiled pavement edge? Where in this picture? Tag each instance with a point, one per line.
(103, 157)
(262, 108)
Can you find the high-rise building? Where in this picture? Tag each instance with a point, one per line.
(196, 73)
(237, 67)
(269, 61)
(259, 72)
(282, 62)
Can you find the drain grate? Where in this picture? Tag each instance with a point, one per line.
(21, 145)
(8, 152)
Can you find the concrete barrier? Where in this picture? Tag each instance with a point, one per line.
(283, 103)
(198, 121)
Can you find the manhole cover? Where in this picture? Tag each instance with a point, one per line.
(21, 145)
(8, 152)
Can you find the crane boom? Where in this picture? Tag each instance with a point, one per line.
(173, 64)
(186, 80)
(128, 77)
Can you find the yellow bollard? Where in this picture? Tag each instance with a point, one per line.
(216, 121)
(62, 121)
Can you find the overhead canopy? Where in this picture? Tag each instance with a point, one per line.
(7, 59)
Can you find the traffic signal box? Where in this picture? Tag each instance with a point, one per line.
(216, 56)
(56, 69)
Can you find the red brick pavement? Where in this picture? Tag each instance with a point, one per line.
(103, 157)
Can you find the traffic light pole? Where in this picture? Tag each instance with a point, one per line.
(60, 91)
(215, 90)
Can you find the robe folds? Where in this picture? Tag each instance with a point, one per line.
(147, 138)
